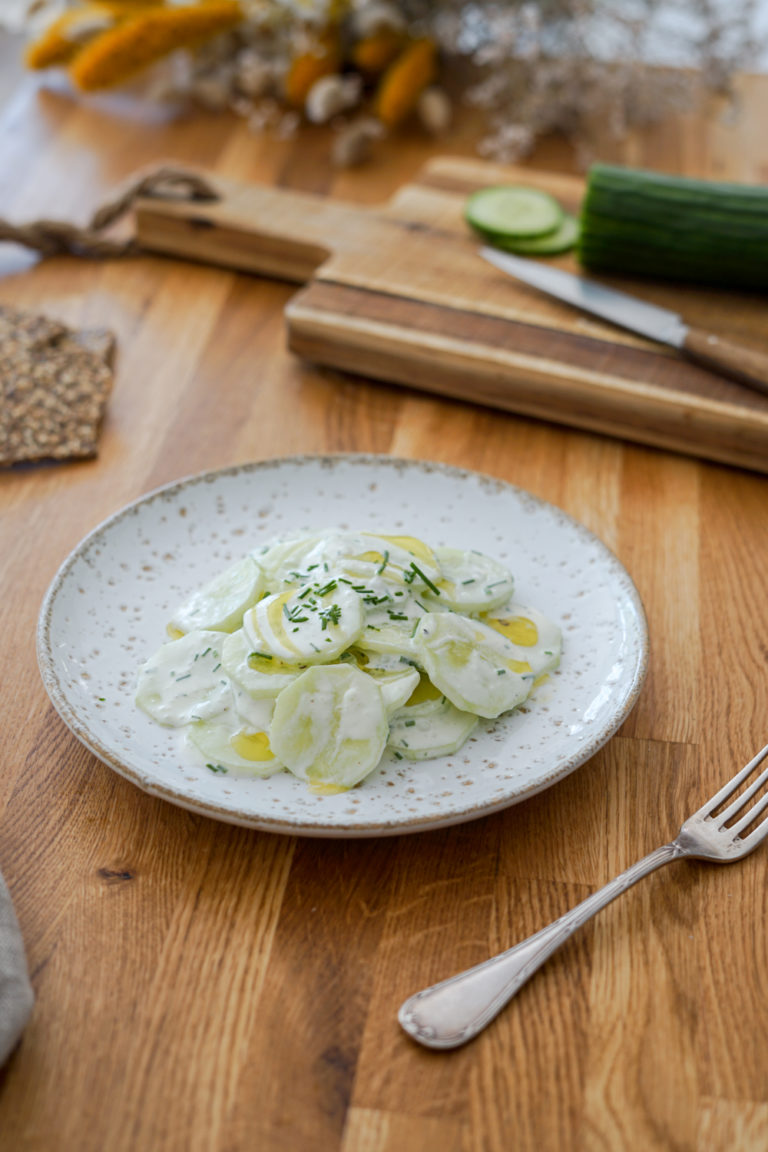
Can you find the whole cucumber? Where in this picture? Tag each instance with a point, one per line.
(639, 223)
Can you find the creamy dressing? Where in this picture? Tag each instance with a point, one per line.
(320, 650)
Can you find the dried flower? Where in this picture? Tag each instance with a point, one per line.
(330, 96)
(373, 17)
(354, 143)
(578, 67)
(434, 110)
(321, 57)
(404, 81)
(373, 54)
(113, 55)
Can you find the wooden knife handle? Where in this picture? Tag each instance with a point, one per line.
(734, 360)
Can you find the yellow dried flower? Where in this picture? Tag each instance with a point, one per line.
(373, 54)
(322, 58)
(65, 35)
(404, 81)
(146, 36)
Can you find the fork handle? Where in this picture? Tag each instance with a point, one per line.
(452, 1012)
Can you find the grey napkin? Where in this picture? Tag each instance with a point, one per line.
(16, 996)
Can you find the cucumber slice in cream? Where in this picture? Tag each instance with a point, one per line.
(310, 625)
(259, 674)
(470, 582)
(476, 667)
(439, 733)
(536, 639)
(220, 604)
(184, 681)
(236, 748)
(330, 727)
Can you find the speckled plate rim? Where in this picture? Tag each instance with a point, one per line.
(78, 723)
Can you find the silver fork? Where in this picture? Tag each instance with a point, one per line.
(449, 1014)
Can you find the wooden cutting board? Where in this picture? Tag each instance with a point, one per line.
(400, 294)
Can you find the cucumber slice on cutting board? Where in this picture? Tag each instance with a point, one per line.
(563, 239)
(513, 211)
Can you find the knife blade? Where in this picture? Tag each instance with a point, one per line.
(746, 365)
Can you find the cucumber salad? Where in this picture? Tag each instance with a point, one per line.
(315, 653)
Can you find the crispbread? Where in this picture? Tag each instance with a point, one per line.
(54, 386)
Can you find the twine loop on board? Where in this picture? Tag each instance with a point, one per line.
(59, 237)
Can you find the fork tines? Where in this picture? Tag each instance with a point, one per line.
(737, 805)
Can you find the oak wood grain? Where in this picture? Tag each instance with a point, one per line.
(205, 987)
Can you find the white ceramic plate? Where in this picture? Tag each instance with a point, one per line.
(107, 607)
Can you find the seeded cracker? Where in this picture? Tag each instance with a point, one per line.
(54, 387)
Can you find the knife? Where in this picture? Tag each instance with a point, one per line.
(734, 360)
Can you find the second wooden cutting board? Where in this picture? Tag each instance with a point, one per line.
(400, 294)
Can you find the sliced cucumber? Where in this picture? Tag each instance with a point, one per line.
(440, 733)
(513, 211)
(424, 699)
(329, 726)
(221, 603)
(390, 626)
(536, 639)
(230, 746)
(473, 665)
(183, 681)
(260, 674)
(395, 687)
(311, 625)
(563, 239)
(470, 582)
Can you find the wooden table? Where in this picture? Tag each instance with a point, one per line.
(201, 986)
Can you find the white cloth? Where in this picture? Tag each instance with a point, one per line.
(16, 996)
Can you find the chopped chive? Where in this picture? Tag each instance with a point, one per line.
(432, 587)
(470, 581)
(410, 723)
(186, 676)
(384, 563)
(260, 656)
(217, 768)
(330, 615)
